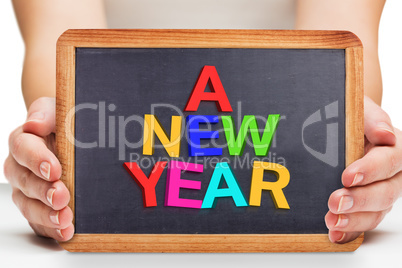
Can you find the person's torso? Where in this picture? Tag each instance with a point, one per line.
(201, 14)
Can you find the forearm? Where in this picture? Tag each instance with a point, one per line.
(38, 76)
(41, 22)
(361, 17)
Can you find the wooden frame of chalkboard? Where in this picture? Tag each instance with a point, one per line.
(259, 39)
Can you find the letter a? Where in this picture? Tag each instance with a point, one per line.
(208, 75)
(223, 171)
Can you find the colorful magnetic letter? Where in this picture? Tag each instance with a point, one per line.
(174, 183)
(208, 75)
(152, 125)
(223, 170)
(261, 146)
(275, 188)
(195, 135)
(147, 184)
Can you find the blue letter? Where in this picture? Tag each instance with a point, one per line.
(195, 135)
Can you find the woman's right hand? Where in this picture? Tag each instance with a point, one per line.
(34, 172)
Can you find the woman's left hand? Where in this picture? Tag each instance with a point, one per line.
(372, 184)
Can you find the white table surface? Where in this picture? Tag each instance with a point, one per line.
(20, 247)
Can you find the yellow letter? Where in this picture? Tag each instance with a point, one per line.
(275, 188)
(152, 125)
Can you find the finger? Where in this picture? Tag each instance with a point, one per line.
(37, 212)
(381, 162)
(377, 196)
(377, 125)
(57, 234)
(354, 222)
(31, 152)
(341, 237)
(54, 194)
(41, 119)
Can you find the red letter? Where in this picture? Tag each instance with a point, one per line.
(147, 185)
(208, 75)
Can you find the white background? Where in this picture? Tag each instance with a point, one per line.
(20, 248)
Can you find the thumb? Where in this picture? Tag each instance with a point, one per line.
(41, 118)
(378, 128)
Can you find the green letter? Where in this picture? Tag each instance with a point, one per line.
(261, 145)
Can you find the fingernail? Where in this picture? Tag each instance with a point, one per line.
(54, 217)
(386, 127)
(342, 221)
(49, 195)
(357, 179)
(340, 239)
(36, 116)
(59, 233)
(45, 170)
(345, 203)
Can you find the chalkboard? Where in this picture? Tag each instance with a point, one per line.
(109, 81)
